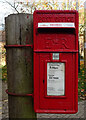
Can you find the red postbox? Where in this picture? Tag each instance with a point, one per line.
(55, 61)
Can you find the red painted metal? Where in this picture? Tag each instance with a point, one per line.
(58, 50)
(55, 40)
(20, 95)
(14, 46)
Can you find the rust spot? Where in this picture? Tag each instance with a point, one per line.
(27, 103)
(27, 16)
(26, 39)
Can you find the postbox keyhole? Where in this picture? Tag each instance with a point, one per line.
(43, 81)
(64, 109)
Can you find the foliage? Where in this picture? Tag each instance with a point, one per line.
(81, 29)
(30, 6)
(81, 82)
(49, 5)
(4, 73)
(3, 55)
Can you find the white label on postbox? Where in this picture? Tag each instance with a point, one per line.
(55, 56)
(57, 25)
(56, 79)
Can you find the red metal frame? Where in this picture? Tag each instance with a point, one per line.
(20, 95)
(56, 111)
(14, 46)
(58, 50)
(55, 11)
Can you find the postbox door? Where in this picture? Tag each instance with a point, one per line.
(60, 94)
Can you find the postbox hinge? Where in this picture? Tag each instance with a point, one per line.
(19, 95)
